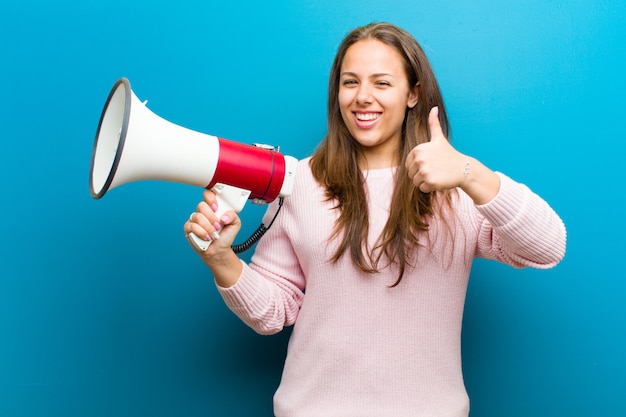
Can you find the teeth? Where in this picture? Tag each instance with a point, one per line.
(367, 116)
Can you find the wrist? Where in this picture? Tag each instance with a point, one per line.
(480, 183)
(219, 258)
(467, 166)
(225, 266)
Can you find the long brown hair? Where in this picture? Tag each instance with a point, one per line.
(335, 163)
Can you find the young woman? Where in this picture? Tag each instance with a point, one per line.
(370, 256)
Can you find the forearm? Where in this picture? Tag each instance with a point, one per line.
(523, 230)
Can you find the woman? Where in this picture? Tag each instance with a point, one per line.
(380, 231)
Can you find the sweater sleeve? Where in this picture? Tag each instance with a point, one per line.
(268, 300)
(519, 228)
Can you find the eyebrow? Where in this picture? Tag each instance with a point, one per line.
(376, 75)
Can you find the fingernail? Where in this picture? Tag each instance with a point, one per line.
(216, 235)
(207, 238)
(214, 207)
(225, 219)
(217, 226)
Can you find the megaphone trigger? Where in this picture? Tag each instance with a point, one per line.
(228, 198)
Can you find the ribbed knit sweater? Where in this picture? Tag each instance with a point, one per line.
(360, 348)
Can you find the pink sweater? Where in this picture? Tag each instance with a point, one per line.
(358, 347)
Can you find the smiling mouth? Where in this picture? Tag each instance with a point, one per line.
(366, 117)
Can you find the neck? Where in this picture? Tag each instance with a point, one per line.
(369, 162)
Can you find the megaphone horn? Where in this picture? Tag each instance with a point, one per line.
(132, 143)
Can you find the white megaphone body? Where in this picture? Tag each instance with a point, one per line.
(132, 143)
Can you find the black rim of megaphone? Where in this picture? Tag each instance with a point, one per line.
(120, 145)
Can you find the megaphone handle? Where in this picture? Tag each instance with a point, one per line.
(228, 198)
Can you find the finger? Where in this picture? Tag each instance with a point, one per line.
(211, 199)
(192, 226)
(231, 227)
(425, 188)
(435, 125)
(412, 163)
(204, 223)
(229, 217)
(210, 223)
(417, 179)
(208, 210)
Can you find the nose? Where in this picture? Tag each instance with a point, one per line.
(364, 94)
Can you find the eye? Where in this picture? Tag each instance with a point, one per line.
(348, 82)
(383, 83)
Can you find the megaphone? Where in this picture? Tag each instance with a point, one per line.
(132, 143)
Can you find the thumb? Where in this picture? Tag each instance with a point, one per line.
(435, 126)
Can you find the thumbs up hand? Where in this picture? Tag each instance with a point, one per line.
(436, 165)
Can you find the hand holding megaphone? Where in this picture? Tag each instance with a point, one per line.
(216, 223)
(228, 198)
(133, 144)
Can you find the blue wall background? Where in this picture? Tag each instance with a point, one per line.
(105, 311)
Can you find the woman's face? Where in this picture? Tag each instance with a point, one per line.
(374, 94)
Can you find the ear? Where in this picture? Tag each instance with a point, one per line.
(413, 96)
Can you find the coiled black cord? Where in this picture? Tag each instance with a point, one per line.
(258, 233)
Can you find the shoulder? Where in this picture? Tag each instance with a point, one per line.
(304, 165)
(307, 191)
(304, 175)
